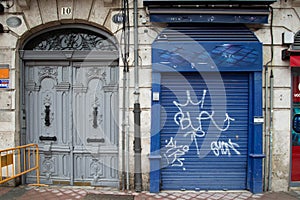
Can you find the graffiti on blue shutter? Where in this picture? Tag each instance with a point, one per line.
(174, 153)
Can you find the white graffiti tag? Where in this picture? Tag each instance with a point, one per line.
(223, 148)
(183, 119)
(173, 153)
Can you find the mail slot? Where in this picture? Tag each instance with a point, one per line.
(48, 138)
(99, 140)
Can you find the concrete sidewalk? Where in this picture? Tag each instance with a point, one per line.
(92, 193)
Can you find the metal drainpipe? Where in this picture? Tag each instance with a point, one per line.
(123, 131)
(271, 130)
(127, 132)
(125, 116)
(268, 161)
(266, 131)
(137, 109)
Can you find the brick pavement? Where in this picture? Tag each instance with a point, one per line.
(91, 193)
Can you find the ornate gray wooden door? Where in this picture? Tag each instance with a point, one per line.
(71, 112)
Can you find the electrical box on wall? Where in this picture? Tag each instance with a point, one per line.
(287, 37)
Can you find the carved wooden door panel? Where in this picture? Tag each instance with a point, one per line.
(48, 118)
(71, 114)
(95, 101)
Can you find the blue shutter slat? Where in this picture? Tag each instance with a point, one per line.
(210, 172)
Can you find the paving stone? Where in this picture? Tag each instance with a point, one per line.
(67, 192)
(82, 192)
(246, 194)
(227, 198)
(186, 196)
(204, 195)
(98, 192)
(231, 195)
(163, 194)
(193, 194)
(217, 196)
(241, 198)
(257, 196)
(177, 194)
(150, 194)
(213, 198)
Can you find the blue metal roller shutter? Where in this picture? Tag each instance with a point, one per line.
(204, 129)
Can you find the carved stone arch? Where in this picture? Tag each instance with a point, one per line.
(71, 42)
(71, 37)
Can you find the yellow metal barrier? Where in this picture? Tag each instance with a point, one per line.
(17, 161)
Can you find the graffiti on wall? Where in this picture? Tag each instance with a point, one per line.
(174, 153)
(194, 129)
(224, 148)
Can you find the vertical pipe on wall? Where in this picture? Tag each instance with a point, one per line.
(137, 109)
(268, 146)
(125, 114)
(136, 53)
(71, 146)
(127, 132)
(123, 130)
(266, 131)
(271, 130)
(137, 149)
(72, 142)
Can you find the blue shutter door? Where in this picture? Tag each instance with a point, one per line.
(204, 131)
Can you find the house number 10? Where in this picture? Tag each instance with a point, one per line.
(66, 11)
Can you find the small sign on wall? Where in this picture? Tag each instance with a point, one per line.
(4, 77)
(4, 83)
(66, 11)
(4, 73)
